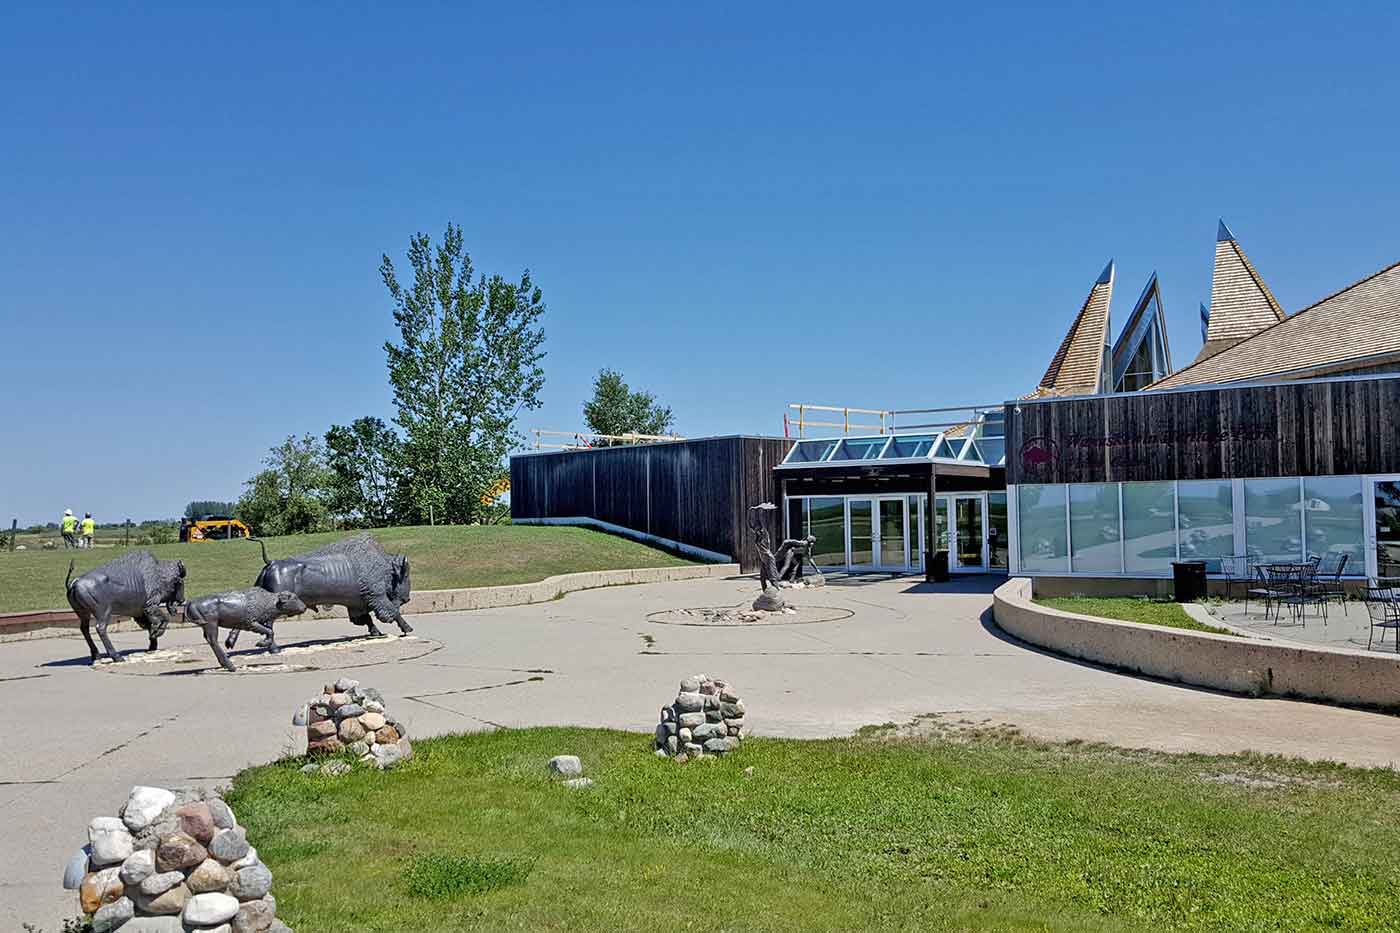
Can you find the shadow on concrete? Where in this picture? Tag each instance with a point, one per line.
(84, 660)
(984, 583)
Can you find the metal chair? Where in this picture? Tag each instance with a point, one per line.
(1274, 587)
(1384, 611)
(1309, 591)
(1237, 571)
(1329, 577)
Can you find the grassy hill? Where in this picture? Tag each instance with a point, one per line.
(440, 557)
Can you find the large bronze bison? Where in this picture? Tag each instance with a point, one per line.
(135, 585)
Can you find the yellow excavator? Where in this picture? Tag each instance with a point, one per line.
(495, 492)
(214, 528)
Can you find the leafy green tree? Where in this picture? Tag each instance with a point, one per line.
(466, 364)
(289, 496)
(615, 408)
(202, 507)
(363, 461)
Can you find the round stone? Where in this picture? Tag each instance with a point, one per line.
(709, 730)
(351, 730)
(373, 706)
(208, 875)
(76, 869)
(685, 735)
(567, 765)
(229, 845)
(691, 720)
(386, 756)
(388, 735)
(373, 722)
(255, 916)
(210, 909)
(143, 805)
(328, 746)
(196, 820)
(358, 749)
(250, 859)
(349, 711)
(167, 903)
(179, 851)
(335, 768)
(721, 745)
(110, 840)
(733, 710)
(251, 883)
(337, 700)
(320, 730)
(222, 814)
(100, 887)
(345, 685)
(405, 748)
(689, 702)
(691, 685)
(160, 883)
(113, 915)
(728, 696)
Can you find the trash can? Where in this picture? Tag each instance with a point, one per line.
(1189, 580)
(936, 566)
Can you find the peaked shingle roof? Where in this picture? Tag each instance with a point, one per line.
(1241, 305)
(1077, 368)
(1360, 321)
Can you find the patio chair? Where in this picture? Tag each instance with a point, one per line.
(1309, 590)
(1329, 578)
(1272, 587)
(1237, 572)
(1384, 611)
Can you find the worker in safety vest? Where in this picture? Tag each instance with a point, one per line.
(70, 529)
(88, 527)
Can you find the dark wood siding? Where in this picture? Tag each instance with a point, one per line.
(1313, 428)
(694, 492)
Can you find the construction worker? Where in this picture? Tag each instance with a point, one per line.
(88, 527)
(70, 529)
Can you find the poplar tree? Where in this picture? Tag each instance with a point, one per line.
(466, 364)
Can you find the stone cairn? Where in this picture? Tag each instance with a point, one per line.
(349, 718)
(172, 863)
(707, 718)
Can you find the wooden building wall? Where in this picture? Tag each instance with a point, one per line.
(695, 492)
(1310, 428)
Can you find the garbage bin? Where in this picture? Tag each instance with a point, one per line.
(1189, 580)
(936, 566)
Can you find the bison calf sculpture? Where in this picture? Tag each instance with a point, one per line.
(354, 572)
(252, 609)
(136, 585)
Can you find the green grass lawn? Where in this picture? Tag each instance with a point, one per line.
(440, 557)
(1130, 609)
(951, 831)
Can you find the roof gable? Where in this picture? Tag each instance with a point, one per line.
(1241, 305)
(1078, 365)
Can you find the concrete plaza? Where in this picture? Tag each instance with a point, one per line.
(84, 736)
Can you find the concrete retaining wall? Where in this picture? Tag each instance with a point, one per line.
(19, 626)
(1221, 662)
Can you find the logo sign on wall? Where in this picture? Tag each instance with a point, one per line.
(1038, 455)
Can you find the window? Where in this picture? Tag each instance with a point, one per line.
(1206, 521)
(1335, 519)
(1041, 528)
(864, 448)
(1149, 527)
(912, 445)
(1093, 528)
(1273, 519)
(826, 519)
(999, 538)
(809, 451)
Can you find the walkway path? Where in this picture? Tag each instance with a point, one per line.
(78, 738)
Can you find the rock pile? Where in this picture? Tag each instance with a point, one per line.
(707, 718)
(348, 717)
(171, 863)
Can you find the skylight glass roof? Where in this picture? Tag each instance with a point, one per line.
(984, 443)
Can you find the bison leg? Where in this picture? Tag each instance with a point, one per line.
(104, 619)
(231, 640)
(85, 623)
(388, 612)
(211, 635)
(366, 621)
(269, 640)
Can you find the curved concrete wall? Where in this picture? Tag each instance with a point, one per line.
(1221, 662)
(54, 623)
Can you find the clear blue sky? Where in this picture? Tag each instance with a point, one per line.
(737, 205)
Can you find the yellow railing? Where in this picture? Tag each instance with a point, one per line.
(581, 441)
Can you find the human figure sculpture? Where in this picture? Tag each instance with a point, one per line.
(135, 585)
(770, 600)
(792, 555)
(252, 610)
(354, 572)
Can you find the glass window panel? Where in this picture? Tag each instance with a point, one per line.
(1335, 519)
(826, 519)
(862, 532)
(1387, 529)
(810, 451)
(913, 445)
(994, 424)
(1273, 523)
(892, 532)
(864, 448)
(998, 535)
(993, 449)
(1093, 528)
(1149, 527)
(941, 525)
(796, 518)
(950, 447)
(916, 532)
(1206, 521)
(1041, 527)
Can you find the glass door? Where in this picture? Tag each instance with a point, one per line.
(1383, 553)
(860, 533)
(970, 533)
(891, 553)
